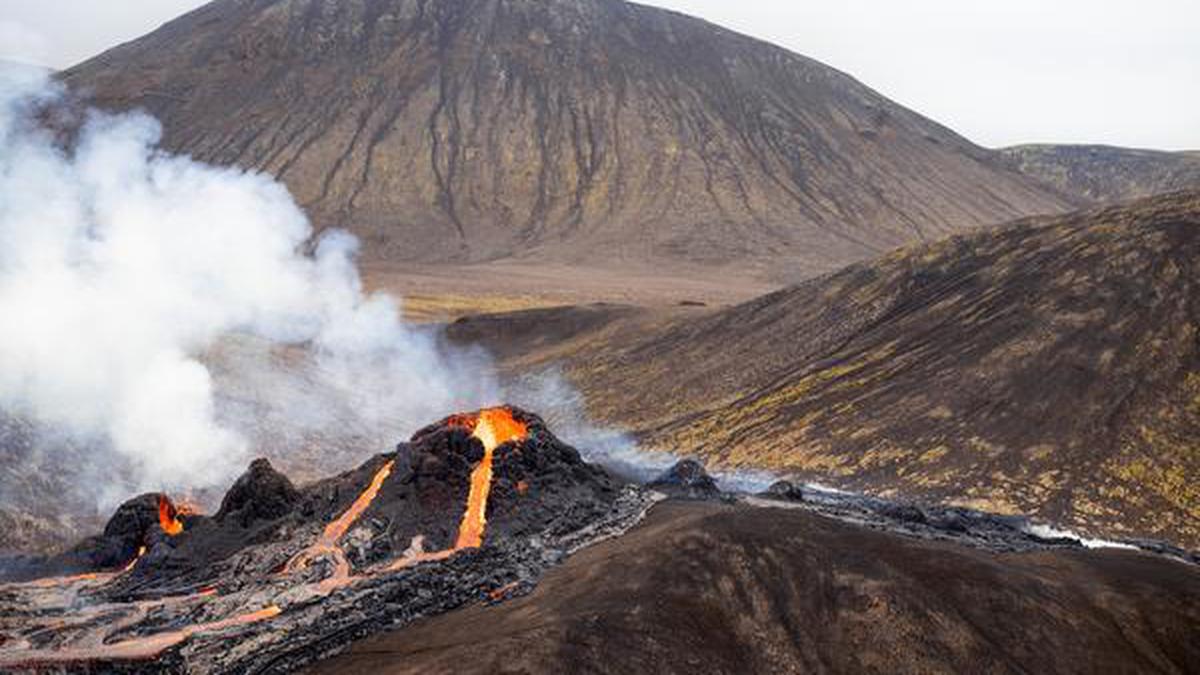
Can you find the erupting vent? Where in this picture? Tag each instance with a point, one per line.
(493, 428)
(168, 517)
(169, 514)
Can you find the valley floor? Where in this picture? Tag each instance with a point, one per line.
(444, 292)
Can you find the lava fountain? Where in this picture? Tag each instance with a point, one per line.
(169, 515)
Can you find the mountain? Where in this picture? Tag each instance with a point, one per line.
(593, 131)
(719, 589)
(1050, 367)
(1103, 173)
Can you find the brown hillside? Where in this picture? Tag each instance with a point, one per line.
(1050, 367)
(590, 131)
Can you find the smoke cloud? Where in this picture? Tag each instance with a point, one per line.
(178, 316)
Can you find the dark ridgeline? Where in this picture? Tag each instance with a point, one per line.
(1107, 174)
(593, 131)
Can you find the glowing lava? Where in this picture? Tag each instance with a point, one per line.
(132, 563)
(335, 530)
(327, 544)
(168, 516)
(495, 427)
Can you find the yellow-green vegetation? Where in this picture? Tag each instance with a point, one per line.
(1192, 387)
(1170, 482)
(441, 308)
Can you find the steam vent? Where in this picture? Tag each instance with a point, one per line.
(472, 508)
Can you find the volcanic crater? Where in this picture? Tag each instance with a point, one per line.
(473, 508)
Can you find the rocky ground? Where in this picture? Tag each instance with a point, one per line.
(717, 587)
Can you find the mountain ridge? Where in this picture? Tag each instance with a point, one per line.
(1105, 173)
(586, 131)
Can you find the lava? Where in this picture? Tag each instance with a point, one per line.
(140, 648)
(335, 530)
(327, 544)
(493, 428)
(101, 577)
(168, 516)
(132, 563)
(85, 623)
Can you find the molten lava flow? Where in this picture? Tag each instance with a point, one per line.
(494, 428)
(102, 577)
(168, 516)
(339, 527)
(140, 648)
(326, 546)
(141, 552)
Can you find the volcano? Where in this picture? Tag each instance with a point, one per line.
(472, 508)
(582, 131)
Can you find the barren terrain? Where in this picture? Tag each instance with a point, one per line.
(725, 589)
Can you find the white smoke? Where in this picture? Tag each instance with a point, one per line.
(166, 309)
(1048, 532)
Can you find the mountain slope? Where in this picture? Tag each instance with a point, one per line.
(586, 130)
(1107, 174)
(717, 589)
(1050, 367)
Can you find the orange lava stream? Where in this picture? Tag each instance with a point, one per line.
(66, 581)
(470, 532)
(327, 544)
(133, 649)
(133, 563)
(494, 428)
(335, 530)
(102, 577)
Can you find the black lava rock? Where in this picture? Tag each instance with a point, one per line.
(262, 493)
(133, 525)
(784, 490)
(908, 513)
(133, 519)
(687, 479)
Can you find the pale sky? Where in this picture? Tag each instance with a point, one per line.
(1123, 72)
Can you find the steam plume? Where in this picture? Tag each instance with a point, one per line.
(127, 272)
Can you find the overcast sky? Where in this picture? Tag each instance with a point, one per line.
(1124, 72)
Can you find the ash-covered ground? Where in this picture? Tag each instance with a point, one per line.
(281, 576)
